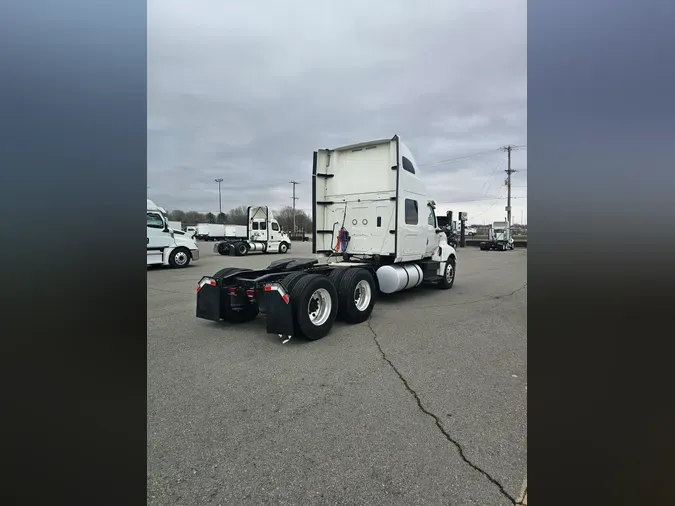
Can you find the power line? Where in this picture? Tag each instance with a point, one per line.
(448, 160)
(491, 206)
(484, 200)
(492, 174)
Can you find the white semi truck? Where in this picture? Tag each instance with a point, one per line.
(374, 231)
(176, 225)
(262, 234)
(499, 237)
(164, 245)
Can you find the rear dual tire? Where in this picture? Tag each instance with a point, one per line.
(240, 249)
(315, 304)
(356, 293)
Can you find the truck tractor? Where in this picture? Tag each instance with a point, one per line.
(166, 246)
(262, 234)
(499, 237)
(369, 238)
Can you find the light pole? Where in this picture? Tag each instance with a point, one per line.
(220, 202)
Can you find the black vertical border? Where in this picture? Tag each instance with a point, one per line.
(601, 179)
(72, 178)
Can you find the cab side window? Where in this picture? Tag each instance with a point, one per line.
(155, 221)
(254, 225)
(263, 225)
(275, 227)
(432, 217)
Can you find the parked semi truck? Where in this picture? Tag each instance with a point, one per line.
(375, 231)
(262, 234)
(164, 245)
(499, 237)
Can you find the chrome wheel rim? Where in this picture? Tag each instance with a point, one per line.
(449, 272)
(362, 295)
(319, 307)
(180, 258)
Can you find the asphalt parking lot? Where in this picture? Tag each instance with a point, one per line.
(425, 404)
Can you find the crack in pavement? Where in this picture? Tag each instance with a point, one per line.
(468, 302)
(437, 420)
(493, 297)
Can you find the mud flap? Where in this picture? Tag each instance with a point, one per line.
(208, 299)
(279, 313)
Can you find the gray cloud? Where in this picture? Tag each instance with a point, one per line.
(246, 92)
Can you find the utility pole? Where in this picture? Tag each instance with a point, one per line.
(508, 171)
(220, 201)
(294, 199)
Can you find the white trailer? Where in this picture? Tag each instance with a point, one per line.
(164, 245)
(263, 234)
(235, 231)
(210, 231)
(377, 232)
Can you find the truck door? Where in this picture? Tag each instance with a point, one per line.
(432, 237)
(158, 238)
(412, 228)
(274, 234)
(264, 232)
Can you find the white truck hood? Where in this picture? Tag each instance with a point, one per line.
(185, 240)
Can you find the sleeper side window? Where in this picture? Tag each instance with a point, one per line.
(407, 165)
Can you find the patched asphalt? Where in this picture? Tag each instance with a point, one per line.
(424, 404)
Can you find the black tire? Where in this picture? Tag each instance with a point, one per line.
(224, 248)
(348, 309)
(180, 258)
(290, 281)
(445, 283)
(240, 249)
(283, 248)
(301, 296)
(336, 276)
(228, 270)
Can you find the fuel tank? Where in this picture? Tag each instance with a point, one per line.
(399, 277)
(257, 246)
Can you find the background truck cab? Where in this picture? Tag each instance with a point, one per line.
(164, 247)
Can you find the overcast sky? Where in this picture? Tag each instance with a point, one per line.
(246, 91)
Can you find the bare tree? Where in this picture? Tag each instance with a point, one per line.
(285, 218)
(238, 216)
